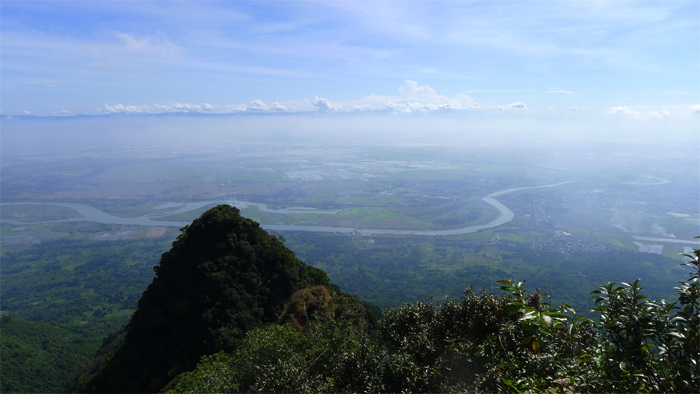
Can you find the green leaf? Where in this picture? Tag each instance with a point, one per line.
(514, 307)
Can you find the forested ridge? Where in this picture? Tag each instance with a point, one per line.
(231, 309)
(223, 277)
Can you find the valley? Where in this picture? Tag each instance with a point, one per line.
(391, 223)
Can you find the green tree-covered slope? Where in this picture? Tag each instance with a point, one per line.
(223, 277)
(37, 356)
(516, 343)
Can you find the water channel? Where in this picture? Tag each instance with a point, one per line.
(90, 214)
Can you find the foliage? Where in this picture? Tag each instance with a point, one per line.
(239, 311)
(304, 305)
(78, 380)
(421, 347)
(486, 342)
(84, 284)
(333, 354)
(542, 349)
(649, 345)
(516, 342)
(37, 356)
(87, 288)
(396, 269)
(223, 277)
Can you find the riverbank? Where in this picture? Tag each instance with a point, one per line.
(92, 214)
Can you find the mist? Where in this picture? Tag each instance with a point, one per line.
(185, 132)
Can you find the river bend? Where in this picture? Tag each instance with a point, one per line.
(90, 214)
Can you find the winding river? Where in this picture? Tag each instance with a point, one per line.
(90, 214)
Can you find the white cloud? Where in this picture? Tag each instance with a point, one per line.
(517, 105)
(414, 98)
(411, 89)
(158, 45)
(498, 91)
(275, 106)
(362, 108)
(553, 90)
(623, 111)
(257, 106)
(27, 112)
(660, 114)
(410, 107)
(411, 97)
(173, 108)
(655, 112)
(324, 105)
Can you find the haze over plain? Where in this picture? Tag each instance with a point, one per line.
(355, 107)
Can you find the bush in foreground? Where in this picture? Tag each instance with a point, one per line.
(515, 342)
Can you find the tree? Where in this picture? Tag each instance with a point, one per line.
(330, 352)
(223, 277)
(649, 345)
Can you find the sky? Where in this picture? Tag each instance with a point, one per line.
(633, 60)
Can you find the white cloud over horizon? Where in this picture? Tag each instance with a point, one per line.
(563, 91)
(519, 105)
(300, 56)
(411, 97)
(642, 112)
(324, 105)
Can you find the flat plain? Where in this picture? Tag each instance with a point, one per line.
(361, 206)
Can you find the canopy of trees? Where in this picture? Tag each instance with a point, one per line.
(515, 342)
(232, 310)
(223, 277)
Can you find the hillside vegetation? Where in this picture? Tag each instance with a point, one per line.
(223, 277)
(232, 310)
(37, 355)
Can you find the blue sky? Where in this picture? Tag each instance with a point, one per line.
(615, 58)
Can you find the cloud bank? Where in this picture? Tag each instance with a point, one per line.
(648, 112)
(410, 98)
(255, 106)
(519, 105)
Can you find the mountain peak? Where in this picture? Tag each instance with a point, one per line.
(223, 276)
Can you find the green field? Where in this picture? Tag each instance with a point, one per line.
(36, 213)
